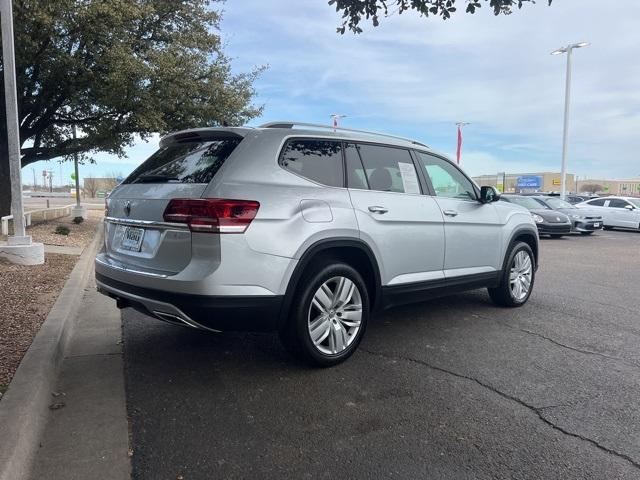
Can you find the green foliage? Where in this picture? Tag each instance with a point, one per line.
(62, 230)
(354, 10)
(78, 220)
(120, 68)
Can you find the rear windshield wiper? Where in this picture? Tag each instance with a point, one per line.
(155, 179)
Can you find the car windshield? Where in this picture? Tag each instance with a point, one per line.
(634, 201)
(528, 203)
(557, 203)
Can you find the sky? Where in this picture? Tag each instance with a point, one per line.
(417, 77)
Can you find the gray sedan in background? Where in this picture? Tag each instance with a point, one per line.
(621, 212)
(582, 220)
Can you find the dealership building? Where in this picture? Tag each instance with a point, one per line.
(526, 182)
(550, 182)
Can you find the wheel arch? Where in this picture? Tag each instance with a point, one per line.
(351, 251)
(526, 235)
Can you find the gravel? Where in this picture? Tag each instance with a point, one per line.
(79, 235)
(27, 293)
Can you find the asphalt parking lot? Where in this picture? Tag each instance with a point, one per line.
(452, 388)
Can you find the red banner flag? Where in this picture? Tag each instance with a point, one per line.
(459, 145)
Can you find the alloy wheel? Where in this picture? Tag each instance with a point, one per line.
(520, 275)
(335, 315)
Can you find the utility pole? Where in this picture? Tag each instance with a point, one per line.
(19, 248)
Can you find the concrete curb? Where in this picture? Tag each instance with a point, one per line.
(23, 409)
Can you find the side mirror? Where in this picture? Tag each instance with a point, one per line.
(629, 207)
(489, 194)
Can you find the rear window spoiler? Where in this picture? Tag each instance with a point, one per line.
(203, 134)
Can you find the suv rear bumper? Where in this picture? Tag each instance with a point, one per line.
(213, 313)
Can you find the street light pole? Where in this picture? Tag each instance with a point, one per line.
(75, 166)
(19, 248)
(13, 129)
(565, 130)
(78, 210)
(567, 99)
(335, 117)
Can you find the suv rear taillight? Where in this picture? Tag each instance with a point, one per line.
(213, 215)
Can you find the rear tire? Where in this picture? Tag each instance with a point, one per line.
(518, 277)
(586, 233)
(329, 315)
(607, 227)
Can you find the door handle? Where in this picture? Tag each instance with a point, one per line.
(377, 209)
(450, 213)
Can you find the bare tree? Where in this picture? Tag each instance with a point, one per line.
(111, 179)
(591, 187)
(90, 186)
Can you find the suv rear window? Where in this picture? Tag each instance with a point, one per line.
(185, 162)
(317, 160)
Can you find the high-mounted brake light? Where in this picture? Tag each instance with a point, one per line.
(213, 215)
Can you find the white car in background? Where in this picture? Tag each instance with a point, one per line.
(621, 212)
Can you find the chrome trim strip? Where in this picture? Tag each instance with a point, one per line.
(123, 268)
(146, 223)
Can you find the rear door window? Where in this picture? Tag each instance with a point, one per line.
(617, 203)
(597, 203)
(185, 162)
(314, 159)
(388, 169)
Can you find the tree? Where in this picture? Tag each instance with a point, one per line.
(354, 10)
(591, 187)
(90, 186)
(111, 179)
(118, 69)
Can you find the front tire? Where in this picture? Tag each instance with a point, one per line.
(586, 233)
(518, 277)
(555, 235)
(329, 316)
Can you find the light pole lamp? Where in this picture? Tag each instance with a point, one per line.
(335, 117)
(567, 96)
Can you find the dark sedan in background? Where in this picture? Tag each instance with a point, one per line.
(548, 221)
(584, 221)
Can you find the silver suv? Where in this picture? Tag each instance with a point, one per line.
(305, 230)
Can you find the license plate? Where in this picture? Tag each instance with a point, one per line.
(132, 239)
(596, 225)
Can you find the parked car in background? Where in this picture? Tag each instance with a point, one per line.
(583, 221)
(305, 229)
(573, 199)
(548, 221)
(617, 212)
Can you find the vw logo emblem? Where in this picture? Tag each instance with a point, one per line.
(127, 208)
(557, 218)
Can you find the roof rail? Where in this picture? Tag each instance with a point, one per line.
(331, 127)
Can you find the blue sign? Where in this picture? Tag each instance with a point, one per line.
(530, 181)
